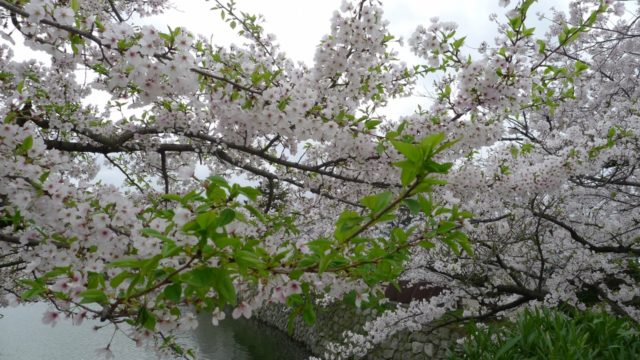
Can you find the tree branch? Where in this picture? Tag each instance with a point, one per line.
(575, 236)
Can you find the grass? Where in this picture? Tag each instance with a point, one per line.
(553, 334)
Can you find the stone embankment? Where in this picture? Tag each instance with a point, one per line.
(333, 320)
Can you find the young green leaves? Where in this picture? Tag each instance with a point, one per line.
(419, 157)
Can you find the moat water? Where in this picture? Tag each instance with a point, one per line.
(23, 336)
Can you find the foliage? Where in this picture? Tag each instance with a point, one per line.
(553, 334)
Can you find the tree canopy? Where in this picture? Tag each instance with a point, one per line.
(514, 186)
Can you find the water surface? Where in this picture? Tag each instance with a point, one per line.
(24, 337)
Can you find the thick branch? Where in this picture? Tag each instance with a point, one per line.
(14, 240)
(163, 170)
(14, 9)
(115, 11)
(520, 290)
(12, 263)
(575, 236)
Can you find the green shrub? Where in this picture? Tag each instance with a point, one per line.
(552, 334)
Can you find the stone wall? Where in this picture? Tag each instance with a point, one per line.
(333, 320)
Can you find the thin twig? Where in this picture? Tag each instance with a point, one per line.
(124, 173)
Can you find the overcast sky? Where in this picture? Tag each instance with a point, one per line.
(300, 24)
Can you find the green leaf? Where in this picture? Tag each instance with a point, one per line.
(563, 37)
(452, 244)
(526, 148)
(377, 202)
(256, 77)
(223, 285)
(156, 234)
(319, 246)
(255, 212)
(409, 171)
(250, 192)
(226, 216)
(430, 142)
(75, 6)
(132, 263)
(11, 116)
(168, 38)
(446, 145)
(426, 185)
(32, 293)
(95, 280)
(308, 261)
(347, 223)
(413, 205)
(296, 274)
(407, 176)
(55, 272)
(426, 205)
(248, 259)
(93, 296)
(371, 124)
(529, 32)
(438, 168)
(216, 194)
(458, 43)
(410, 151)
(426, 244)
(446, 92)
(223, 241)
(169, 249)
(514, 151)
(445, 227)
(218, 181)
(44, 176)
(295, 300)
(134, 282)
(201, 277)
(324, 262)
(580, 66)
(26, 145)
(173, 292)
(75, 41)
(118, 279)
(542, 46)
(146, 319)
(206, 220)
(399, 236)
(515, 23)
(291, 322)
(463, 240)
(4, 76)
(507, 346)
(308, 313)
(172, 197)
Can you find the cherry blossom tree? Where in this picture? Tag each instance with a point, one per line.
(515, 186)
